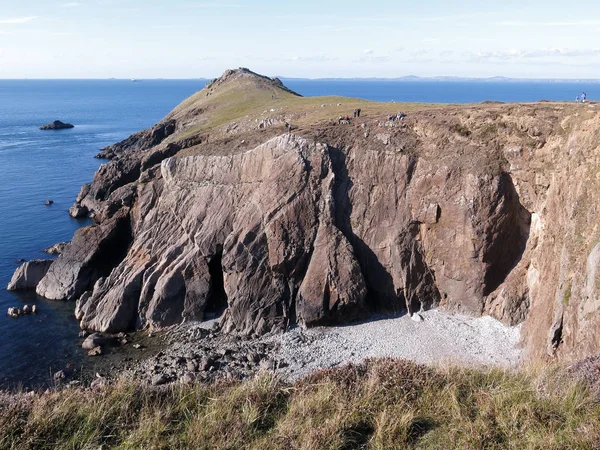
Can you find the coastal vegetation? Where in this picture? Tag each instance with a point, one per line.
(380, 404)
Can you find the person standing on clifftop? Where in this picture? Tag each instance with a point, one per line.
(583, 97)
(358, 112)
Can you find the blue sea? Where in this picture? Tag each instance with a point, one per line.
(36, 166)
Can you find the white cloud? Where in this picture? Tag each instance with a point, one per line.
(70, 5)
(320, 57)
(374, 59)
(213, 5)
(367, 52)
(568, 23)
(17, 20)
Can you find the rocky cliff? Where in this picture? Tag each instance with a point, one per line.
(476, 209)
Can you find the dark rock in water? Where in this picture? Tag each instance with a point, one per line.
(48, 202)
(29, 274)
(14, 312)
(56, 249)
(57, 125)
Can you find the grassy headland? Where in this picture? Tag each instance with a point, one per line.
(377, 405)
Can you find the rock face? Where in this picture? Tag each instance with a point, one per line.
(89, 256)
(485, 209)
(28, 275)
(57, 125)
(277, 235)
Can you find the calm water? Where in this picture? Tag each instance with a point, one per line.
(36, 166)
(446, 92)
(39, 165)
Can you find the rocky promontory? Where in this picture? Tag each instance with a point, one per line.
(57, 125)
(477, 209)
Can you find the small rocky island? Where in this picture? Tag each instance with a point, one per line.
(57, 125)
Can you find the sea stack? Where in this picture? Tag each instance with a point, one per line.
(57, 125)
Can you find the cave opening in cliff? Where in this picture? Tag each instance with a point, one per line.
(112, 251)
(217, 302)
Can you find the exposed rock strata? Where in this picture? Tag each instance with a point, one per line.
(285, 222)
(479, 209)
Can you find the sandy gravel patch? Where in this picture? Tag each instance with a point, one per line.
(440, 338)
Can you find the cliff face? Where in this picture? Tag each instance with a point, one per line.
(476, 209)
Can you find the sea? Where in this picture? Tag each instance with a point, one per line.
(36, 166)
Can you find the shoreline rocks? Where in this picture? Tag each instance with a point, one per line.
(56, 249)
(78, 211)
(94, 341)
(25, 311)
(29, 274)
(57, 125)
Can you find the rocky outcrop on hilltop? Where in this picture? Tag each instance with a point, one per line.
(485, 209)
(57, 125)
(140, 141)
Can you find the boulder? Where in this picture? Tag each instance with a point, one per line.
(187, 378)
(56, 249)
(56, 125)
(78, 211)
(14, 312)
(96, 351)
(29, 274)
(99, 383)
(60, 375)
(159, 379)
(93, 341)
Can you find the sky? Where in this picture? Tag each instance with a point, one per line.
(308, 38)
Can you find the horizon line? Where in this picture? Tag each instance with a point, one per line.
(398, 78)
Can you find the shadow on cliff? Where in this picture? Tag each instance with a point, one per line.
(507, 237)
(381, 295)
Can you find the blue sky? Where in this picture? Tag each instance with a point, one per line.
(311, 38)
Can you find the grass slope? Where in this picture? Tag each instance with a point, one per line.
(244, 95)
(380, 404)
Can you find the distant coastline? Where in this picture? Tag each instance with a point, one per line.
(407, 78)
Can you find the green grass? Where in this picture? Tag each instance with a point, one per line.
(381, 404)
(240, 99)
